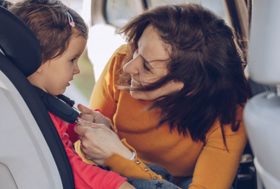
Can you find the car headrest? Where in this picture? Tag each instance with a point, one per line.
(18, 43)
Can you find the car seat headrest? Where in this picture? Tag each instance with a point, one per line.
(18, 43)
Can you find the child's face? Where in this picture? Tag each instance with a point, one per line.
(54, 75)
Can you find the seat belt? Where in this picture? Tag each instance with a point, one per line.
(59, 105)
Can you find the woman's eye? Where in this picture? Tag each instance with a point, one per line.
(146, 67)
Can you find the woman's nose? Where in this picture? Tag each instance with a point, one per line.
(132, 67)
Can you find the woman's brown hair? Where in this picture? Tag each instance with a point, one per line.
(204, 57)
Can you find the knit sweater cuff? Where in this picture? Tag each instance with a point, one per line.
(130, 168)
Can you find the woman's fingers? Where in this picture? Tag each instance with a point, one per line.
(80, 130)
(84, 122)
(84, 109)
(93, 116)
(99, 142)
(88, 117)
(84, 126)
(86, 113)
(96, 142)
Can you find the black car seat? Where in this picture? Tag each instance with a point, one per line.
(32, 155)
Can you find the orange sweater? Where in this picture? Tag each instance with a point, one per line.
(211, 165)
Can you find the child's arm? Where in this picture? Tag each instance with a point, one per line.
(86, 176)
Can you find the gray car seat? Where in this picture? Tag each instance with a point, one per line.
(262, 112)
(32, 155)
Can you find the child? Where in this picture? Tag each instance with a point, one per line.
(62, 35)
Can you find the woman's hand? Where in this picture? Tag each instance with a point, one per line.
(98, 142)
(126, 185)
(93, 116)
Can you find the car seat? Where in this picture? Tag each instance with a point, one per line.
(262, 112)
(31, 153)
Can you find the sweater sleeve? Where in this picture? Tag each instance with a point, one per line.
(105, 93)
(129, 168)
(104, 97)
(216, 166)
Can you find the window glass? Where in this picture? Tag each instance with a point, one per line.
(118, 12)
(216, 6)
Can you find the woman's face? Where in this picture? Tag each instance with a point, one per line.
(149, 64)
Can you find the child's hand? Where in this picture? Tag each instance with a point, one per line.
(88, 114)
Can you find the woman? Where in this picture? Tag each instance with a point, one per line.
(175, 94)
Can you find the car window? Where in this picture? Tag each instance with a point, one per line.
(215, 5)
(118, 12)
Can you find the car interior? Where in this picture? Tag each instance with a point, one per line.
(261, 113)
(31, 152)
